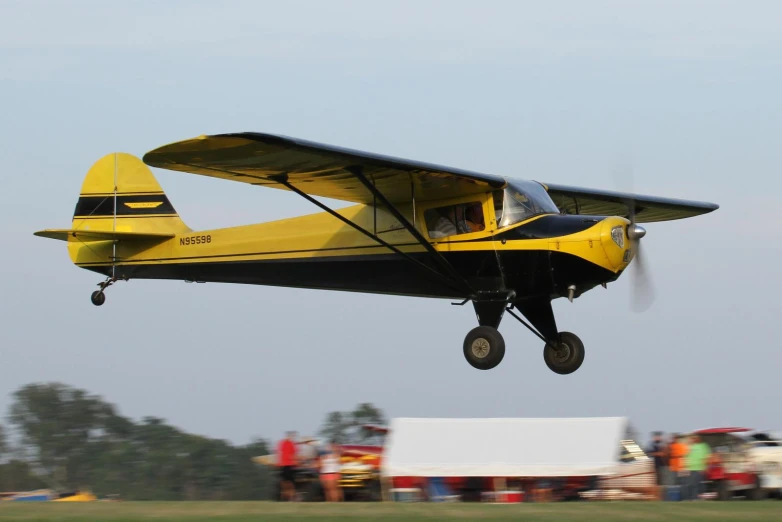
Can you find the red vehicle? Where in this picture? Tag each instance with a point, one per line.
(731, 469)
(361, 456)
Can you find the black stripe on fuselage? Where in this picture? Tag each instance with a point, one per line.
(529, 273)
(127, 205)
(551, 226)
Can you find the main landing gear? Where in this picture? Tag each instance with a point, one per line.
(484, 347)
(98, 297)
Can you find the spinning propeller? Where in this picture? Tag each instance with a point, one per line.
(641, 280)
(642, 288)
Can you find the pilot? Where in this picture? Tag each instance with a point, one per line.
(474, 218)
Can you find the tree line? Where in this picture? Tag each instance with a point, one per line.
(66, 439)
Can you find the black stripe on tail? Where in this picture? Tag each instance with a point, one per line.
(127, 205)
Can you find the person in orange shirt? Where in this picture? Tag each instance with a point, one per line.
(677, 452)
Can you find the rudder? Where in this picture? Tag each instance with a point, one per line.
(121, 194)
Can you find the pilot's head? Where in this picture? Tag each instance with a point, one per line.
(474, 214)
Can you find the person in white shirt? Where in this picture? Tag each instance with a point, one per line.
(444, 226)
(330, 465)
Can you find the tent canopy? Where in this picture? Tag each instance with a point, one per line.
(504, 447)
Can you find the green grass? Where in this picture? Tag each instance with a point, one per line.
(271, 511)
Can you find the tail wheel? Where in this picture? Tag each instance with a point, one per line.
(484, 347)
(565, 357)
(98, 297)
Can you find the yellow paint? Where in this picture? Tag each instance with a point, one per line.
(84, 496)
(308, 236)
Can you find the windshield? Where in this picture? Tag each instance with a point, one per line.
(522, 200)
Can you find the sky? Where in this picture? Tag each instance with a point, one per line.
(668, 98)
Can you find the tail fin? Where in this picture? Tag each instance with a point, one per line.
(122, 210)
(121, 194)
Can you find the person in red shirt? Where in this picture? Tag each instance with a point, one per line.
(286, 461)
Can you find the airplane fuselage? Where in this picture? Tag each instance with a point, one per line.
(538, 257)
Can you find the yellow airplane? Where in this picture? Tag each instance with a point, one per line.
(416, 229)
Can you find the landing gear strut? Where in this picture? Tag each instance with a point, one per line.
(484, 347)
(98, 297)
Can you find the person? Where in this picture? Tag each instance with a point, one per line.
(308, 453)
(330, 472)
(677, 451)
(474, 218)
(286, 461)
(445, 225)
(657, 451)
(697, 462)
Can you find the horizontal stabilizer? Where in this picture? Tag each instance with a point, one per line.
(101, 235)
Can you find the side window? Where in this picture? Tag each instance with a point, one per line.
(455, 219)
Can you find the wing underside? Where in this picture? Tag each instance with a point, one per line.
(647, 209)
(328, 171)
(317, 169)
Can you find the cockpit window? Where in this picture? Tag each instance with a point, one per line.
(455, 219)
(521, 200)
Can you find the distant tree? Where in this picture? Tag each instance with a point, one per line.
(335, 426)
(57, 423)
(251, 481)
(3, 443)
(17, 475)
(367, 413)
(338, 425)
(71, 439)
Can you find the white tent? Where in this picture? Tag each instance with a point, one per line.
(503, 447)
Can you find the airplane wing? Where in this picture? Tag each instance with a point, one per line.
(576, 200)
(316, 169)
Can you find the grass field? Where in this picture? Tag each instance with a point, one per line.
(270, 511)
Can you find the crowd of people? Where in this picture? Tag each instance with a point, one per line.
(326, 462)
(681, 461)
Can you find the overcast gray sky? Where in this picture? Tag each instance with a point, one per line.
(563, 92)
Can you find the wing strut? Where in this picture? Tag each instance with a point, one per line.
(437, 256)
(283, 181)
(455, 281)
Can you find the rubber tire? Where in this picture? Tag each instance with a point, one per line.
(98, 298)
(496, 347)
(572, 362)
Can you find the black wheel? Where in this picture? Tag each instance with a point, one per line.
(98, 297)
(484, 347)
(567, 357)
